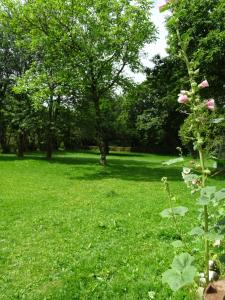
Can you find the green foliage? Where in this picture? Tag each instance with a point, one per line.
(173, 161)
(206, 195)
(182, 272)
(202, 29)
(176, 211)
(197, 231)
(212, 130)
(177, 244)
(220, 195)
(149, 110)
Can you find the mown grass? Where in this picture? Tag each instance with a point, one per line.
(71, 229)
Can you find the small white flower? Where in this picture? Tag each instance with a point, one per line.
(217, 243)
(202, 281)
(186, 171)
(151, 295)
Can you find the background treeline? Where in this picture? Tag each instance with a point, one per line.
(62, 79)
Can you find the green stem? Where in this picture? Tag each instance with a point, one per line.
(186, 60)
(206, 217)
(177, 227)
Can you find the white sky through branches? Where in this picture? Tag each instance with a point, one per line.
(158, 47)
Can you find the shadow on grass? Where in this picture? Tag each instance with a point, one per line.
(124, 169)
(130, 172)
(88, 168)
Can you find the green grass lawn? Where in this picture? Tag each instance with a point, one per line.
(71, 229)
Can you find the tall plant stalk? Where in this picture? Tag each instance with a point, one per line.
(199, 142)
(170, 198)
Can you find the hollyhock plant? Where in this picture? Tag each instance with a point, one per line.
(210, 104)
(207, 233)
(203, 84)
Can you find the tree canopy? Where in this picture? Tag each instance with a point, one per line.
(63, 81)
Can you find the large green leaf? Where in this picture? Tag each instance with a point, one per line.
(207, 193)
(182, 272)
(218, 120)
(177, 211)
(182, 261)
(197, 231)
(203, 200)
(177, 279)
(173, 161)
(173, 279)
(213, 236)
(188, 275)
(177, 244)
(220, 195)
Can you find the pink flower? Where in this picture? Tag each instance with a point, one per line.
(210, 104)
(182, 97)
(203, 84)
(163, 6)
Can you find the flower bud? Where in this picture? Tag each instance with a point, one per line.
(210, 104)
(182, 99)
(203, 84)
(198, 166)
(207, 172)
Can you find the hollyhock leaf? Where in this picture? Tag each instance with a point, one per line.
(177, 211)
(182, 261)
(177, 244)
(182, 272)
(203, 200)
(196, 231)
(208, 191)
(217, 121)
(188, 275)
(173, 279)
(220, 195)
(213, 236)
(176, 279)
(207, 194)
(173, 161)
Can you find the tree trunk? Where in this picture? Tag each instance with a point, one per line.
(102, 141)
(20, 145)
(3, 140)
(104, 150)
(49, 147)
(50, 133)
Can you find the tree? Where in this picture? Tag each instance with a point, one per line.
(150, 110)
(13, 63)
(92, 41)
(203, 29)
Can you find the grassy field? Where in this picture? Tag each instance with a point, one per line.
(71, 229)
